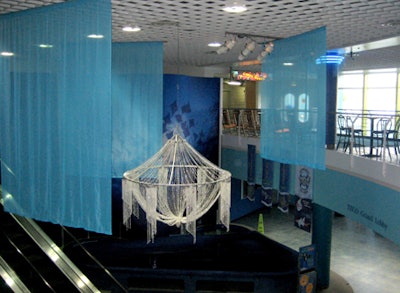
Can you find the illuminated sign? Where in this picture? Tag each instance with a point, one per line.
(247, 75)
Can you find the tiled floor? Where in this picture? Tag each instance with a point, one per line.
(367, 261)
(390, 155)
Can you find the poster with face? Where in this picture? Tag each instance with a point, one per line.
(303, 188)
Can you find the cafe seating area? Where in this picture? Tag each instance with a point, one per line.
(370, 134)
(245, 122)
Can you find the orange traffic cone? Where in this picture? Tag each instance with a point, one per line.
(260, 227)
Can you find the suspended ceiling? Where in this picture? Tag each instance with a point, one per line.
(187, 26)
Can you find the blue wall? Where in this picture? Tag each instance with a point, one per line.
(366, 202)
(191, 108)
(235, 161)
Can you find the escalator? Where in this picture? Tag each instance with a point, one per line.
(29, 262)
(31, 259)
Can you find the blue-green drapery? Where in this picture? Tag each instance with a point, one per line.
(293, 101)
(137, 103)
(55, 114)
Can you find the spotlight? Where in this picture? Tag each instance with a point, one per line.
(267, 50)
(247, 50)
(228, 45)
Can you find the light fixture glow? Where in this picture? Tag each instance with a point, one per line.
(7, 54)
(329, 59)
(234, 82)
(94, 36)
(45, 46)
(215, 44)
(235, 7)
(131, 29)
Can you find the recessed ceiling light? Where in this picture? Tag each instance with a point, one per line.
(215, 44)
(234, 7)
(7, 54)
(45, 46)
(131, 29)
(234, 82)
(94, 36)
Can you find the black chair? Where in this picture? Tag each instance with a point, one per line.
(343, 132)
(381, 135)
(394, 137)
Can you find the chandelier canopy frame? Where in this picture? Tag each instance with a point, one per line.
(176, 186)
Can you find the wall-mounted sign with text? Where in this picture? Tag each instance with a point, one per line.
(247, 75)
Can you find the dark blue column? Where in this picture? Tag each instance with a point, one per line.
(331, 94)
(322, 238)
(251, 171)
(322, 217)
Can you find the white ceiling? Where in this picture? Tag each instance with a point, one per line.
(187, 26)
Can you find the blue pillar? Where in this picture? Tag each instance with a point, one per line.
(322, 217)
(322, 238)
(331, 94)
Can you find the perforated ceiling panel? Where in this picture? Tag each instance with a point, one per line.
(187, 26)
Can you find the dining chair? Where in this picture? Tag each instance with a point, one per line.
(381, 135)
(394, 137)
(356, 135)
(343, 132)
(229, 121)
(246, 124)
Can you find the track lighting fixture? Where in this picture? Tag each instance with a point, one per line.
(247, 50)
(266, 51)
(228, 45)
(252, 42)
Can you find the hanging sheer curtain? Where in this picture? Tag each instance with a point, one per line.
(293, 101)
(137, 103)
(55, 114)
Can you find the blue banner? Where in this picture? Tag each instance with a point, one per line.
(284, 185)
(251, 171)
(267, 182)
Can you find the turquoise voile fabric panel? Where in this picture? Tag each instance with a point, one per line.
(137, 103)
(55, 114)
(293, 101)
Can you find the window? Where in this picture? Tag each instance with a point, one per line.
(371, 90)
(303, 108)
(350, 91)
(380, 90)
(288, 107)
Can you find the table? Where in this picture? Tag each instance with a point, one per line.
(371, 143)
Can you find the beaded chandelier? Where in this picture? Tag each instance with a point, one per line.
(176, 186)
